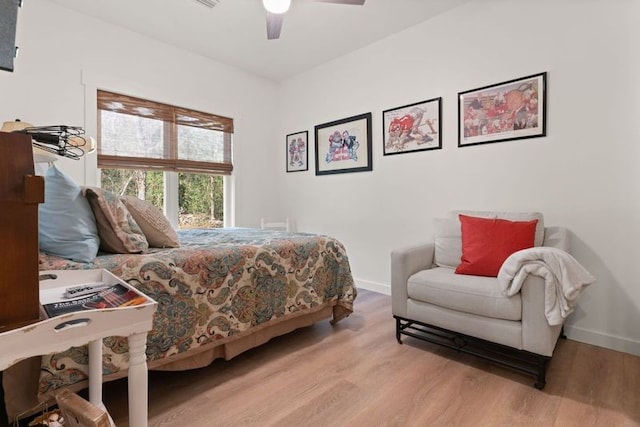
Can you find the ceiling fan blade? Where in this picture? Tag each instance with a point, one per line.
(274, 25)
(354, 2)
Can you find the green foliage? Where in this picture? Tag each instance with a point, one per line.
(119, 181)
(199, 195)
(154, 189)
(146, 185)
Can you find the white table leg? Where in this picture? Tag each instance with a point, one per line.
(95, 372)
(138, 393)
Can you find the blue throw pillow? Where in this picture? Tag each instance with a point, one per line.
(66, 224)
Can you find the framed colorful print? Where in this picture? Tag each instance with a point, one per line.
(413, 127)
(298, 151)
(502, 112)
(344, 145)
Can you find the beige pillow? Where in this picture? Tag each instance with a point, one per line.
(155, 226)
(448, 241)
(119, 233)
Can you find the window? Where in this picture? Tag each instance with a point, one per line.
(200, 199)
(173, 157)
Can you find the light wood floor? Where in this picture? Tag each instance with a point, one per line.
(356, 374)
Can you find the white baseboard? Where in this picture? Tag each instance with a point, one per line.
(612, 342)
(380, 288)
(599, 339)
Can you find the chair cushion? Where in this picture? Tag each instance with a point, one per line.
(511, 216)
(448, 233)
(469, 294)
(448, 242)
(488, 242)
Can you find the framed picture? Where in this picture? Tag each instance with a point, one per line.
(413, 127)
(502, 112)
(344, 145)
(298, 151)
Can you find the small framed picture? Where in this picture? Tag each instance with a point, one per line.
(344, 145)
(298, 151)
(515, 109)
(413, 127)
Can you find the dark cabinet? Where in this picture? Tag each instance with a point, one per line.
(20, 193)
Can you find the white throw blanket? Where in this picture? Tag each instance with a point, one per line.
(564, 278)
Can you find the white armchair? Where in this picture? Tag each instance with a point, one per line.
(470, 313)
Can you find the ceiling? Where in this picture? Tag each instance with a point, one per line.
(234, 31)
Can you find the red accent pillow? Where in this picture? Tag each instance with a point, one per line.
(488, 242)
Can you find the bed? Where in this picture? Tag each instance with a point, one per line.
(223, 291)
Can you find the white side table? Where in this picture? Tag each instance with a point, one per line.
(89, 327)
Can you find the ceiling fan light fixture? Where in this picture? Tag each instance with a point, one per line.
(276, 6)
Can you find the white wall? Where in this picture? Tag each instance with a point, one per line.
(62, 53)
(583, 175)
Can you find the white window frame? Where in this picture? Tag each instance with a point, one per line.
(91, 173)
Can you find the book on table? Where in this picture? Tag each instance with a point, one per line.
(111, 296)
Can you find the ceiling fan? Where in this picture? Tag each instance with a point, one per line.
(277, 8)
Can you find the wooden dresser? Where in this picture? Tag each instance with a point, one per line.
(20, 193)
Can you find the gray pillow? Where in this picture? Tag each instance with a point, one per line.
(448, 241)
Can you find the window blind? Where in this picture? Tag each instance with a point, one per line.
(135, 133)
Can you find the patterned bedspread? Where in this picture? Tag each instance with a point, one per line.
(219, 285)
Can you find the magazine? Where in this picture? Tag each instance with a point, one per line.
(116, 295)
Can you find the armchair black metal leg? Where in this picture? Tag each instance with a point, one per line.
(542, 373)
(398, 336)
(520, 360)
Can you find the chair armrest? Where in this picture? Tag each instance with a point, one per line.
(556, 237)
(537, 336)
(404, 263)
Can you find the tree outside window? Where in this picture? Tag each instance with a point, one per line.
(200, 196)
(143, 145)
